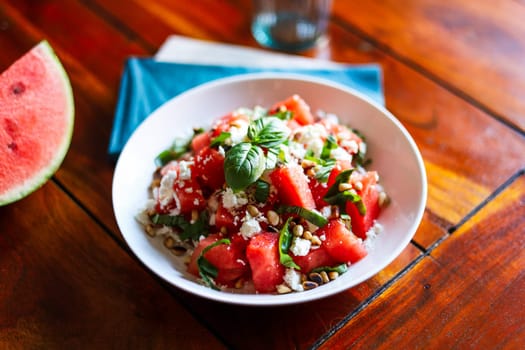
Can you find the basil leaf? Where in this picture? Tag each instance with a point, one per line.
(219, 140)
(313, 216)
(179, 147)
(188, 230)
(334, 197)
(243, 165)
(340, 269)
(328, 146)
(262, 191)
(268, 132)
(285, 241)
(283, 115)
(206, 269)
(271, 158)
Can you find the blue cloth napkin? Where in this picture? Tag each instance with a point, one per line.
(146, 84)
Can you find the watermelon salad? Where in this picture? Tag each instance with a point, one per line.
(272, 200)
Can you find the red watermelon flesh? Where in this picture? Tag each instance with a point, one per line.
(36, 122)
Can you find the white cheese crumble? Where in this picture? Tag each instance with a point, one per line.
(293, 279)
(340, 154)
(300, 246)
(250, 227)
(297, 150)
(185, 170)
(231, 200)
(238, 132)
(312, 137)
(166, 193)
(371, 235)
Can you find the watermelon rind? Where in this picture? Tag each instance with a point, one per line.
(38, 179)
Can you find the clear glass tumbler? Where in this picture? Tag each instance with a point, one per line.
(290, 25)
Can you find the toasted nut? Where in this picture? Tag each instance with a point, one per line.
(333, 275)
(178, 250)
(252, 210)
(239, 283)
(224, 230)
(283, 289)
(298, 230)
(358, 185)
(316, 240)
(169, 242)
(310, 172)
(307, 235)
(194, 216)
(273, 217)
(344, 186)
(324, 276)
(315, 277)
(383, 199)
(150, 230)
(307, 285)
(307, 164)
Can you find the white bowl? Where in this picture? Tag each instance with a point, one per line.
(393, 152)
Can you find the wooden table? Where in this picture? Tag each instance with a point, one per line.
(454, 74)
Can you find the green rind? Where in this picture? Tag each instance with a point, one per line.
(40, 178)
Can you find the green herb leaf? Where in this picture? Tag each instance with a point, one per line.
(313, 216)
(219, 140)
(243, 165)
(328, 146)
(207, 270)
(283, 115)
(179, 147)
(340, 269)
(268, 132)
(188, 230)
(334, 197)
(285, 241)
(262, 191)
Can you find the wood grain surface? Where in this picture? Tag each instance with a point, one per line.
(453, 74)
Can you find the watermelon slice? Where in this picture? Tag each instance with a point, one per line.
(36, 122)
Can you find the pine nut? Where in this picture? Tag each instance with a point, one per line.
(307, 285)
(307, 164)
(307, 235)
(273, 217)
(344, 187)
(316, 277)
(298, 230)
(333, 275)
(324, 277)
(224, 230)
(383, 199)
(169, 242)
(252, 210)
(150, 231)
(194, 216)
(283, 289)
(316, 240)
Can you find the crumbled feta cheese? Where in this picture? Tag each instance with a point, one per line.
(312, 137)
(350, 145)
(166, 192)
(238, 132)
(221, 151)
(297, 150)
(293, 279)
(371, 235)
(300, 246)
(232, 200)
(340, 154)
(250, 227)
(326, 211)
(185, 170)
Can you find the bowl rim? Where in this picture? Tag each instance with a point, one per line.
(292, 298)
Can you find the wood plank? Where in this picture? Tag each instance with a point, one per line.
(66, 284)
(467, 294)
(476, 47)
